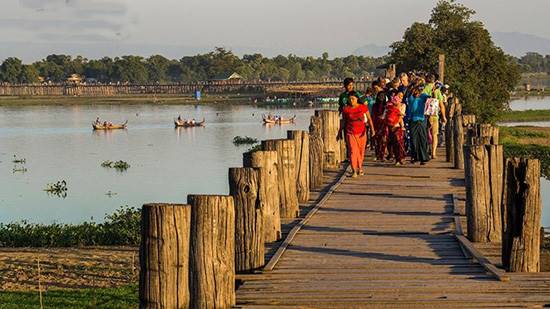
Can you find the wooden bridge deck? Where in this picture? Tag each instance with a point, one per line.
(386, 241)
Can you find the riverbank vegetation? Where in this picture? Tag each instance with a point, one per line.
(527, 141)
(526, 116)
(244, 140)
(120, 228)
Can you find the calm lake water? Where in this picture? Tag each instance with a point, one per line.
(166, 164)
(531, 102)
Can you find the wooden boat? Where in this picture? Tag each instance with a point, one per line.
(111, 127)
(179, 124)
(279, 121)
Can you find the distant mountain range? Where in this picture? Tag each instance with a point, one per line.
(517, 44)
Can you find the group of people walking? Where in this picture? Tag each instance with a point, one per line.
(402, 117)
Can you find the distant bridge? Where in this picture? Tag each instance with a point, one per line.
(213, 87)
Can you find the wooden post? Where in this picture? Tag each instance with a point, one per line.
(316, 162)
(269, 190)
(458, 142)
(330, 123)
(286, 173)
(301, 145)
(249, 218)
(483, 173)
(449, 136)
(522, 207)
(164, 256)
(212, 262)
(441, 68)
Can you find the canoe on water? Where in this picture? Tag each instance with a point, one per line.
(279, 121)
(110, 127)
(179, 124)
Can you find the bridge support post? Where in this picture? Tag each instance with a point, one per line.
(522, 216)
(286, 173)
(212, 254)
(249, 218)
(330, 123)
(316, 158)
(301, 146)
(269, 190)
(164, 256)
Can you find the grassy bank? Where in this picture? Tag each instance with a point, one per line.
(527, 141)
(142, 99)
(122, 297)
(526, 116)
(119, 228)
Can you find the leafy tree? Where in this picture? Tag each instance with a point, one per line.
(10, 70)
(29, 75)
(130, 69)
(481, 74)
(534, 63)
(157, 67)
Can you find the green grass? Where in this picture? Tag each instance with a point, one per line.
(526, 116)
(121, 297)
(532, 142)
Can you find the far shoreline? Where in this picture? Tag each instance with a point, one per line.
(128, 100)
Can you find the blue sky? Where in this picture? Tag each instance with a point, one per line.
(338, 27)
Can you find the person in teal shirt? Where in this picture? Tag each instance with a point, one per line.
(343, 100)
(419, 131)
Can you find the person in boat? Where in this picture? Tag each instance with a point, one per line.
(179, 119)
(105, 124)
(97, 121)
(193, 122)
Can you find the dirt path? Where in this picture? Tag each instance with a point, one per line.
(67, 267)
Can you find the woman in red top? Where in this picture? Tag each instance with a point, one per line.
(354, 117)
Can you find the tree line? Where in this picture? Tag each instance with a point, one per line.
(534, 63)
(216, 64)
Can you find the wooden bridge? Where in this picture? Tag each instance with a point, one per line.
(389, 239)
(393, 238)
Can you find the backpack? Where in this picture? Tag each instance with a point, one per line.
(432, 107)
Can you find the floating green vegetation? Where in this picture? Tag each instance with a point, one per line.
(17, 169)
(246, 140)
(58, 189)
(18, 160)
(122, 228)
(118, 165)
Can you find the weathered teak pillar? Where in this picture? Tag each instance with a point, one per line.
(458, 142)
(212, 254)
(483, 173)
(249, 218)
(286, 173)
(269, 190)
(522, 215)
(449, 136)
(301, 146)
(330, 123)
(316, 162)
(164, 256)
(441, 68)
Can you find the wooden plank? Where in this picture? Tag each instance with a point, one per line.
(273, 261)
